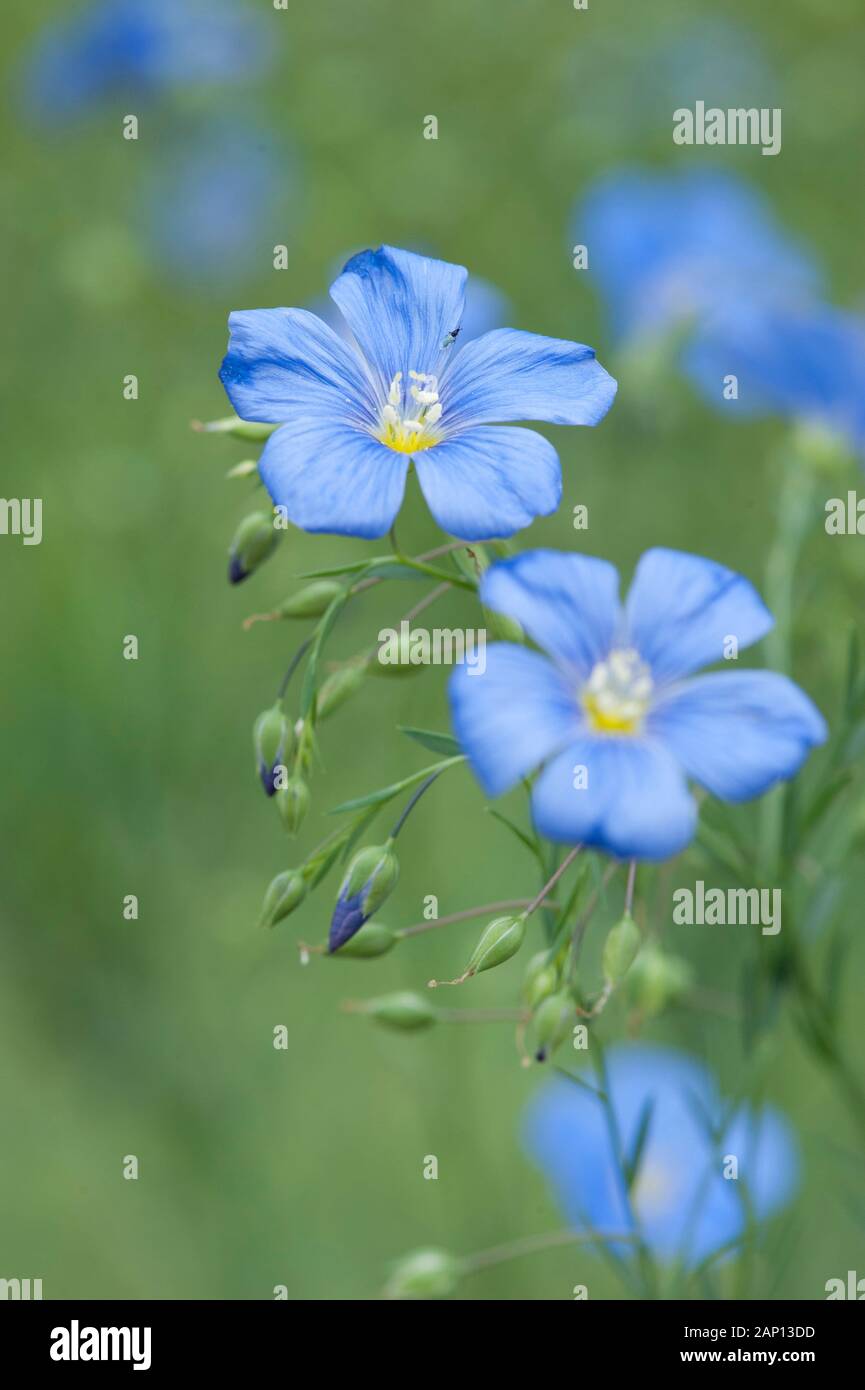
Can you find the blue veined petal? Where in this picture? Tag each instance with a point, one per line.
(508, 375)
(737, 732)
(635, 803)
(512, 716)
(331, 477)
(490, 482)
(285, 363)
(568, 604)
(400, 308)
(681, 607)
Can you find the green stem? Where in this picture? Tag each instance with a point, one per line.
(795, 513)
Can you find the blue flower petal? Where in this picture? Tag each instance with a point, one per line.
(332, 477)
(512, 716)
(737, 732)
(765, 1146)
(568, 604)
(284, 363)
(508, 375)
(635, 803)
(681, 608)
(400, 308)
(805, 363)
(490, 482)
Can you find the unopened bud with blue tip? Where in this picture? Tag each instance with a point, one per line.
(255, 538)
(370, 878)
(272, 738)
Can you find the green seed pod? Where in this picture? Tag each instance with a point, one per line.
(657, 979)
(424, 1274)
(293, 803)
(620, 949)
(553, 1021)
(272, 739)
(311, 601)
(393, 656)
(285, 893)
(541, 980)
(500, 940)
(370, 878)
(373, 939)
(255, 538)
(406, 1011)
(338, 688)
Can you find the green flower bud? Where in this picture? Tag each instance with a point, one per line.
(406, 1011)
(657, 979)
(541, 980)
(286, 892)
(500, 940)
(311, 601)
(553, 1021)
(370, 878)
(338, 688)
(502, 628)
(293, 803)
(620, 949)
(373, 939)
(424, 1274)
(255, 538)
(272, 737)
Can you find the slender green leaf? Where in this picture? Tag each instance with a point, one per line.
(431, 740)
(385, 794)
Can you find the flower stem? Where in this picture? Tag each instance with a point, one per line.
(539, 897)
(467, 912)
(528, 1245)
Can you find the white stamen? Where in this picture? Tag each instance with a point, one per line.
(619, 690)
(414, 429)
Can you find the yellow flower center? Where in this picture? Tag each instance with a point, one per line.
(618, 693)
(408, 420)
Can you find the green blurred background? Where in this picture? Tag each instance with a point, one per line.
(304, 1167)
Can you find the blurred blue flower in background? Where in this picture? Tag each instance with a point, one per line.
(803, 362)
(696, 260)
(670, 251)
(607, 709)
(218, 207)
(681, 1201)
(138, 48)
(354, 415)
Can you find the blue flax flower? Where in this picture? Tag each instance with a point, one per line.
(607, 710)
(681, 1200)
(354, 416)
(670, 251)
(805, 363)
